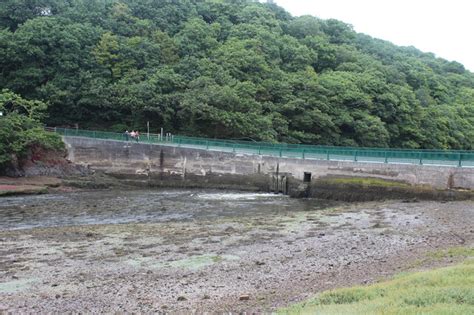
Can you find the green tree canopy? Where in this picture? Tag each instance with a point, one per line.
(235, 69)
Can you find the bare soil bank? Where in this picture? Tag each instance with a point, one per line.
(14, 186)
(216, 263)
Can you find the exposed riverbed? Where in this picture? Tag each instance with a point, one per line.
(184, 250)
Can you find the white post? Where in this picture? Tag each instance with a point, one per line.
(161, 135)
(148, 130)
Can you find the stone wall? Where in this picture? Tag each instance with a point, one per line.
(184, 164)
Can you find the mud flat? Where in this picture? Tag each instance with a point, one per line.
(182, 251)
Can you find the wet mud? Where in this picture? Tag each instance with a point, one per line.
(185, 250)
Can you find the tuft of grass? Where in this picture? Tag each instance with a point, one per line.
(441, 291)
(439, 255)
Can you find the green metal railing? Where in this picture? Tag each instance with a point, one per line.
(457, 158)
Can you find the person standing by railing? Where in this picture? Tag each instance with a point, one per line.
(126, 135)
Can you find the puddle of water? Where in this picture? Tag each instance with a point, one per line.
(147, 206)
(239, 196)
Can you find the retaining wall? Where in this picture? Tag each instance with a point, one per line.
(179, 163)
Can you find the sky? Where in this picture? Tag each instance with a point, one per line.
(443, 27)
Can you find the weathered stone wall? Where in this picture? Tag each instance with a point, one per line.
(208, 166)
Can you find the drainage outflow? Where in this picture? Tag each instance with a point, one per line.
(307, 177)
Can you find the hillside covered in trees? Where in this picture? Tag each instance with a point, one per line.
(229, 69)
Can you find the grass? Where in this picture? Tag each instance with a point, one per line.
(447, 290)
(453, 252)
(457, 253)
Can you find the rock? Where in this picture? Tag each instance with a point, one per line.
(229, 230)
(244, 297)
(206, 297)
(259, 263)
(182, 298)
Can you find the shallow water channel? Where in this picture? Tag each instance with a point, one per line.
(140, 206)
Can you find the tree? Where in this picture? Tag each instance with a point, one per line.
(107, 54)
(197, 38)
(20, 128)
(230, 69)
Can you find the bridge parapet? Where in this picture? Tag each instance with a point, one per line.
(447, 158)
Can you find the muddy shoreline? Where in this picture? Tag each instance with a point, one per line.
(214, 262)
(348, 189)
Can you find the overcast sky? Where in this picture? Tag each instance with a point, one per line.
(443, 27)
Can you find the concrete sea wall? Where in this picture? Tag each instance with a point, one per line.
(175, 166)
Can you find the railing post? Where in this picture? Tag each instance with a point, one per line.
(207, 145)
(281, 152)
(355, 156)
(421, 158)
(259, 150)
(386, 156)
(303, 154)
(460, 160)
(179, 142)
(233, 147)
(328, 155)
(93, 134)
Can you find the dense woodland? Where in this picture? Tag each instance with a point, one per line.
(235, 69)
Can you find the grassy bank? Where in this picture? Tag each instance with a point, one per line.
(441, 291)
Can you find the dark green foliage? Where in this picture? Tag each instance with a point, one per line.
(230, 69)
(20, 128)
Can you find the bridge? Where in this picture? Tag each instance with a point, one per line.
(209, 163)
(450, 158)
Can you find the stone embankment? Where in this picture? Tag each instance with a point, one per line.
(146, 165)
